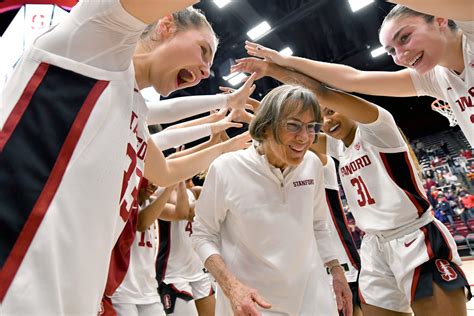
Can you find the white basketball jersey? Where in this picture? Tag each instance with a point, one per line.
(72, 147)
(177, 261)
(456, 89)
(139, 285)
(337, 224)
(381, 185)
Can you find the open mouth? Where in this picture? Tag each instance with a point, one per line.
(334, 128)
(185, 76)
(298, 149)
(415, 60)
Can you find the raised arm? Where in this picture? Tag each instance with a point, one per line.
(149, 214)
(387, 83)
(181, 208)
(354, 107)
(462, 10)
(150, 11)
(167, 172)
(171, 110)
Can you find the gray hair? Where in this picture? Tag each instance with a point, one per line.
(277, 105)
(403, 11)
(184, 19)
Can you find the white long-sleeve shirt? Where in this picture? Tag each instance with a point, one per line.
(263, 223)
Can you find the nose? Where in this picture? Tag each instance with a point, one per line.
(400, 56)
(205, 71)
(303, 134)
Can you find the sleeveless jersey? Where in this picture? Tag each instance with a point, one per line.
(177, 262)
(380, 182)
(72, 150)
(456, 89)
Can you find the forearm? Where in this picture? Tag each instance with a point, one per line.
(199, 121)
(150, 11)
(168, 172)
(149, 214)
(217, 267)
(172, 138)
(182, 202)
(171, 110)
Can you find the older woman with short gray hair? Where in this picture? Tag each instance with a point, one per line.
(260, 225)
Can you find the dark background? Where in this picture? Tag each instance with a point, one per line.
(325, 30)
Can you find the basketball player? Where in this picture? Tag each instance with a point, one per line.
(74, 138)
(186, 288)
(137, 293)
(408, 258)
(439, 55)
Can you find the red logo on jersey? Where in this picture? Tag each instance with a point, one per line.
(355, 165)
(446, 270)
(466, 101)
(167, 301)
(407, 244)
(357, 146)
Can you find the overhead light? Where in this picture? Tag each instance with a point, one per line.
(259, 30)
(286, 51)
(237, 79)
(221, 3)
(231, 75)
(377, 52)
(359, 4)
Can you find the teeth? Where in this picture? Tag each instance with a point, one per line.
(415, 59)
(333, 128)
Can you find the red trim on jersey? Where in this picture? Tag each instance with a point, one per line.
(180, 292)
(22, 104)
(418, 206)
(414, 284)
(211, 291)
(41, 206)
(429, 249)
(339, 233)
(445, 240)
(361, 297)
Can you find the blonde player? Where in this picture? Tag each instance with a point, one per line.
(436, 45)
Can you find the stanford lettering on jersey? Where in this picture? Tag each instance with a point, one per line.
(466, 101)
(303, 182)
(355, 165)
(129, 193)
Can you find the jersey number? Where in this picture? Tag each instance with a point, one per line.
(364, 196)
(142, 242)
(189, 228)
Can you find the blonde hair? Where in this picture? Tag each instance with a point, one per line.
(184, 19)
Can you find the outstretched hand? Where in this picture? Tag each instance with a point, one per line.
(268, 54)
(245, 300)
(251, 65)
(237, 99)
(241, 141)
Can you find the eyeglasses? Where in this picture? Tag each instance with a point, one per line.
(293, 126)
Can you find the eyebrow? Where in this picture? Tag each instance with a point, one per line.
(209, 51)
(394, 37)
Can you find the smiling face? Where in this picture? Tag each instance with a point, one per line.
(293, 145)
(338, 126)
(415, 43)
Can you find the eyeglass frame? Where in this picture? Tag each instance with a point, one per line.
(315, 130)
